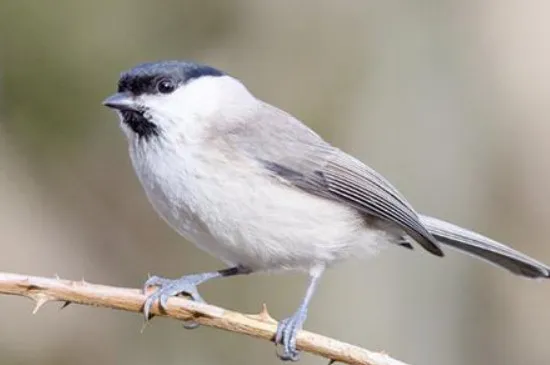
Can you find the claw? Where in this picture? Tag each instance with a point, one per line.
(168, 288)
(185, 285)
(147, 306)
(190, 325)
(287, 331)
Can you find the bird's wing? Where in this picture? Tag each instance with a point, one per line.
(291, 151)
(347, 180)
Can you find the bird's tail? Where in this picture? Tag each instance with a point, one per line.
(484, 248)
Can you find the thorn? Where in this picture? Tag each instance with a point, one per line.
(264, 315)
(65, 305)
(40, 300)
(332, 361)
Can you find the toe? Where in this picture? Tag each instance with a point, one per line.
(148, 305)
(290, 332)
(289, 356)
(293, 356)
(286, 336)
(292, 345)
(163, 300)
(168, 288)
(154, 281)
(190, 325)
(279, 333)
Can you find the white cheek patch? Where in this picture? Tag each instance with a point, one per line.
(178, 114)
(187, 113)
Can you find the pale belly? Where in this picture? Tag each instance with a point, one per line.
(255, 221)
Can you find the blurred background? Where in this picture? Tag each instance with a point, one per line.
(447, 99)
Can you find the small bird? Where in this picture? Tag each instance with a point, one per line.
(256, 188)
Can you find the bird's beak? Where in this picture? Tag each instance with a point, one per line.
(121, 101)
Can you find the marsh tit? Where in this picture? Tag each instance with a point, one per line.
(259, 190)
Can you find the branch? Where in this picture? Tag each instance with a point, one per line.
(43, 290)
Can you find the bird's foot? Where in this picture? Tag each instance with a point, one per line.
(287, 331)
(168, 288)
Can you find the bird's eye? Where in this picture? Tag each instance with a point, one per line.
(166, 86)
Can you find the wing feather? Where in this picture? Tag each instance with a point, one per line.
(351, 181)
(290, 150)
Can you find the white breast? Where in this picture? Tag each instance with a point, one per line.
(246, 218)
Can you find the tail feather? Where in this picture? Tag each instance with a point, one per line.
(484, 248)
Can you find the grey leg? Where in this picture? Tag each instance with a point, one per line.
(288, 328)
(186, 284)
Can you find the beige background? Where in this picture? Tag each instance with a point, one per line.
(448, 99)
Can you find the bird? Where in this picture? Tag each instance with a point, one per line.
(256, 188)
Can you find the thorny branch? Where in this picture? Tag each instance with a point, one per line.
(42, 290)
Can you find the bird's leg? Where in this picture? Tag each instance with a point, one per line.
(186, 284)
(288, 328)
